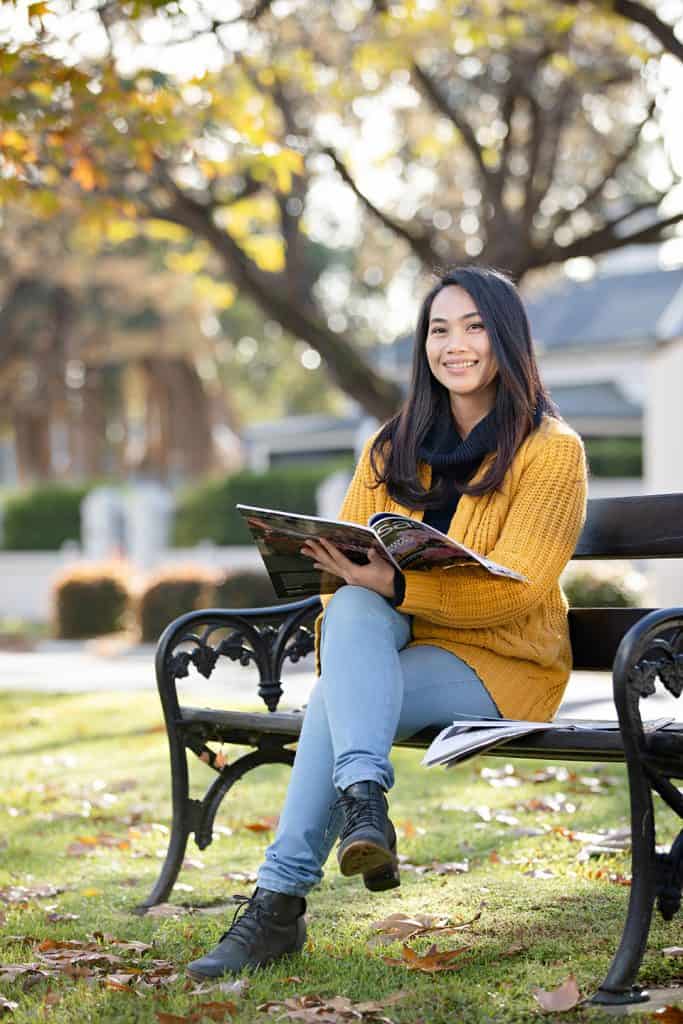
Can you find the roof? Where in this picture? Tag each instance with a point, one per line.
(602, 399)
(644, 306)
(611, 308)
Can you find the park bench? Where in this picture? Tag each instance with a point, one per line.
(637, 645)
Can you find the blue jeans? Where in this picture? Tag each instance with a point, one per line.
(372, 690)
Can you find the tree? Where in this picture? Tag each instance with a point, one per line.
(513, 133)
(99, 360)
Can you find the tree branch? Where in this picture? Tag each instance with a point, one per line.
(605, 240)
(422, 245)
(618, 160)
(441, 103)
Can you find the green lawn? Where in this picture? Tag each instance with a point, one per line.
(84, 809)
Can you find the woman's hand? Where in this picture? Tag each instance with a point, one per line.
(377, 575)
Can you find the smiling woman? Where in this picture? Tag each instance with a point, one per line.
(478, 451)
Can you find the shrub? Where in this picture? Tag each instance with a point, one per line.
(245, 590)
(207, 512)
(170, 593)
(89, 600)
(611, 585)
(42, 518)
(615, 456)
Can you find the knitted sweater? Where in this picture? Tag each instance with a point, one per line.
(514, 635)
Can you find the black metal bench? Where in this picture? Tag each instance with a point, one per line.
(637, 645)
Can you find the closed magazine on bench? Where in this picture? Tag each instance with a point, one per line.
(406, 543)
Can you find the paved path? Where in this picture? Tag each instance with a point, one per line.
(60, 667)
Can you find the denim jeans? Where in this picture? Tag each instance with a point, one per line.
(372, 690)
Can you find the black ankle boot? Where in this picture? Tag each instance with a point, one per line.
(271, 925)
(387, 876)
(367, 844)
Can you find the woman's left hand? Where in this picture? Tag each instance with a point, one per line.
(377, 575)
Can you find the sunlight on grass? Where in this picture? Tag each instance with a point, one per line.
(84, 813)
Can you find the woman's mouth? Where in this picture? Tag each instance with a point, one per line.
(460, 364)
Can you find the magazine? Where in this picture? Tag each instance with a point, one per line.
(406, 543)
(465, 738)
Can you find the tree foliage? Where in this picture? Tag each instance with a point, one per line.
(411, 134)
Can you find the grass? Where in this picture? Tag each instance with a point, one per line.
(92, 769)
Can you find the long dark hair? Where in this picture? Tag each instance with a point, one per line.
(520, 399)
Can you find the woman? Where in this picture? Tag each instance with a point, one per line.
(478, 451)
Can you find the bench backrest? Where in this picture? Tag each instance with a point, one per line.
(646, 526)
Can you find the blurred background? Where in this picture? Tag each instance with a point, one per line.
(217, 222)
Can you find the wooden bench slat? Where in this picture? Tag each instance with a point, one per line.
(645, 526)
(595, 744)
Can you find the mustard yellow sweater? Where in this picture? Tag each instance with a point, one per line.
(514, 635)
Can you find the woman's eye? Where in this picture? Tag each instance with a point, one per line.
(477, 327)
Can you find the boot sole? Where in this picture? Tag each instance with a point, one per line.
(381, 879)
(364, 857)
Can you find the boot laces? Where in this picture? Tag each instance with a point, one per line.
(360, 813)
(250, 924)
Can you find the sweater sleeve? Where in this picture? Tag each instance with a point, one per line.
(537, 539)
(362, 499)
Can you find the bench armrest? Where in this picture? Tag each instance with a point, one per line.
(652, 648)
(266, 636)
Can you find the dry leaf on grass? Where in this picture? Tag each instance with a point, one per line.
(673, 951)
(337, 1010)
(78, 958)
(667, 1015)
(25, 893)
(430, 962)
(407, 926)
(205, 1011)
(7, 1006)
(564, 997)
(264, 825)
(56, 918)
(233, 988)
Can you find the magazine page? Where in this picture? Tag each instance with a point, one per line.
(416, 545)
(279, 537)
(458, 742)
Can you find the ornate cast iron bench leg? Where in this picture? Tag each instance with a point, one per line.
(266, 636)
(652, 647)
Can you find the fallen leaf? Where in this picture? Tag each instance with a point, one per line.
(564, 997)
(431, 962)
(264, 825)
(329, 1011)
(668, 1015)
(22, 893)
(7, 1006)
(403, 926)
(213, 1011)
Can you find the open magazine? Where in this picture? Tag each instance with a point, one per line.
(465, 738)
(406, 543)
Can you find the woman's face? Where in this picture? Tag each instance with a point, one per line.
(459, 351)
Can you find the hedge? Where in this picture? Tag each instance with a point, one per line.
(172, 592)
(609, 586)
(90, 600)
(615, 456)
(207, 511)
(43, 518)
